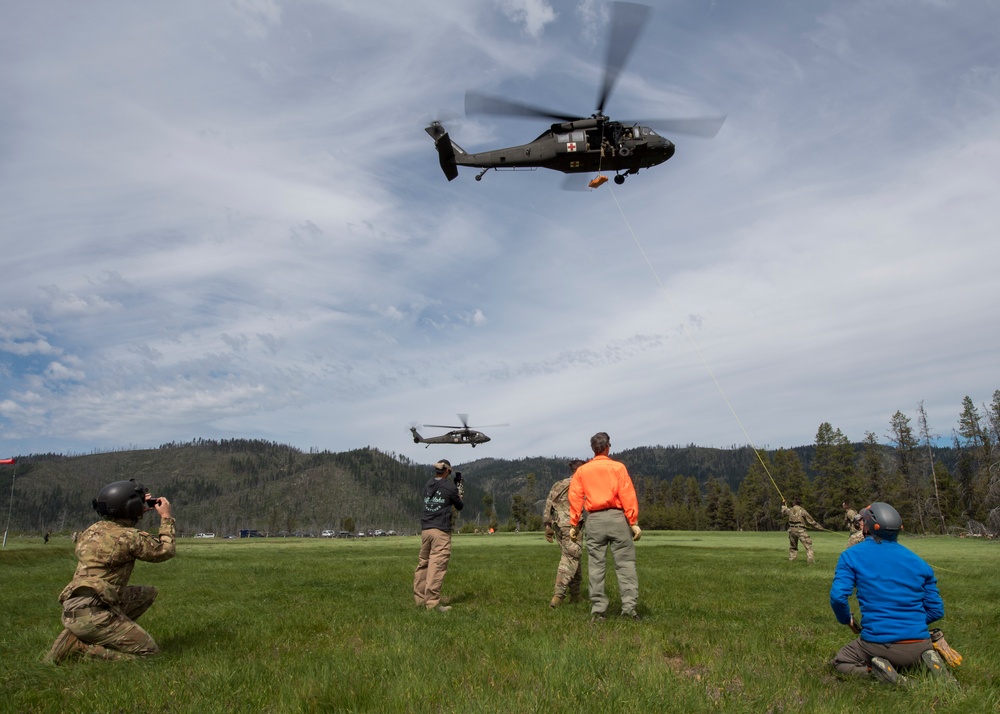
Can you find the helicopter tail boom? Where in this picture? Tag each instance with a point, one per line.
(446, 149)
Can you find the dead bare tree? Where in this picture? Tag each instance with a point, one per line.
(925, 434)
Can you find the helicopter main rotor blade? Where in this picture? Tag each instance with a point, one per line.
(706, 127)
(477, 103)
(627, 21)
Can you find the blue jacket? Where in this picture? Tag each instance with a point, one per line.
(896, 589)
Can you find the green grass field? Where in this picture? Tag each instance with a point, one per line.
(288, 625)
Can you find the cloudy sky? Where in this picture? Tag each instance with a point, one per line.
(224, 219)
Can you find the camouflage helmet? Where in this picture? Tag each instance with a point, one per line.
(122, 500)
(882, 521)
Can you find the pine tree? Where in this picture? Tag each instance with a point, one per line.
(726, 518)
(713, 495)
(757, 501)
(790, 475)
(975, 444)
(836, 476)
(905, 445)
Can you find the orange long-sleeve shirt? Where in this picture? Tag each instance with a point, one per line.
(599, 484)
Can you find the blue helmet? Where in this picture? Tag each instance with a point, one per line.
(882, 521)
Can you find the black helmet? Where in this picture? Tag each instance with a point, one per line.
(882, 521)
(122, 500)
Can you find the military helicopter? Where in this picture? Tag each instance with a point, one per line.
(461, 434)
(577, 144)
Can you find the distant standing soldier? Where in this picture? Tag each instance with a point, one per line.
(854, 525)
(99, 606)
(603, 487)
(556, 522)
(440, 495)
(798, 518)
(47, 533)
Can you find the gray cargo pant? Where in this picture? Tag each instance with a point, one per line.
(610, 529)
(855, 657)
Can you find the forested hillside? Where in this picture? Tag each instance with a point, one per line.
(225, 486)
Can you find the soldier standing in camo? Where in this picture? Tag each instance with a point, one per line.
(556, 522)
(853, 525)
(798, 518)
(99, 606)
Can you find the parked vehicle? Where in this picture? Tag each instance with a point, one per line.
(327, 534)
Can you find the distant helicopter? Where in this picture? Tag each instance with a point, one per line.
(579, 144)
(461, 434)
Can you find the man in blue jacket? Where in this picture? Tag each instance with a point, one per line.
(899, 598)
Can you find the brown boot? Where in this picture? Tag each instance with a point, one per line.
(65, 645)
(556, 601)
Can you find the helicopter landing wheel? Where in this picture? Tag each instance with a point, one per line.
(619, 179)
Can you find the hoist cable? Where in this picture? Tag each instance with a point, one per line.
(694, 344)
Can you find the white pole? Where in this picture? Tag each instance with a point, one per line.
(11, 505)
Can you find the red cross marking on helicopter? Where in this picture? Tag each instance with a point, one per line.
(571, 146)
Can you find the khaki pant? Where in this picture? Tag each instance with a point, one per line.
(108, 632)
(432, 565)
(610, 529)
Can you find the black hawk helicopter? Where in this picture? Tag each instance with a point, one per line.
(579, 144)
(461, 434)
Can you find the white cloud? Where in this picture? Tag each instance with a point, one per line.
(534, 15)
(243, 229)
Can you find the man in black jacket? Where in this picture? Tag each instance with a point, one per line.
(440, 495)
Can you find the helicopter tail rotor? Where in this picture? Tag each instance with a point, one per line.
(445, 148)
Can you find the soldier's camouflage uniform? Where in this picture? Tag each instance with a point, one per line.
(556, 517)
(99, 606)
(854, 526)
(798, 517)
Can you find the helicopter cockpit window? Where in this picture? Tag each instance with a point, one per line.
(646, 131)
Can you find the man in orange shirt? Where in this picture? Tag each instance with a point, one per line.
(603, 487)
